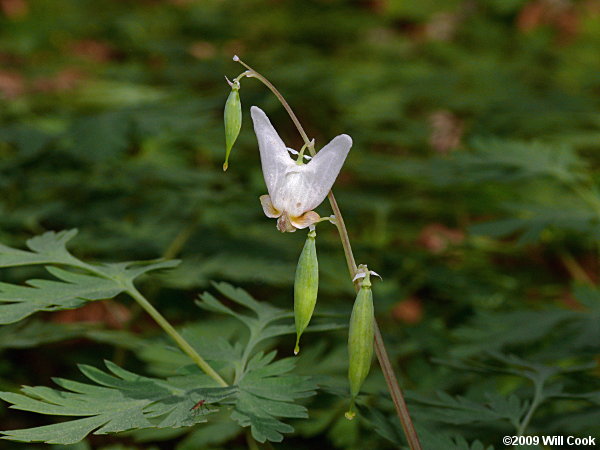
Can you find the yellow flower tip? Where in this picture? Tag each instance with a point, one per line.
(305, 220)
(268, 208)
(225, 166)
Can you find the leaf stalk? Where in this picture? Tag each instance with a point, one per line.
(181, 342)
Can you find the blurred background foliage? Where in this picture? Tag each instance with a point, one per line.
(472, 187)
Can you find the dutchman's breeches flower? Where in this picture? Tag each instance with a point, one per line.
(295, 188)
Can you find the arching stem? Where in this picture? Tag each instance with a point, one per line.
(380, 350)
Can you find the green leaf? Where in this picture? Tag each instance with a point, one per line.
(49, 247)
(267, 392)
(386, 425)
(502, 160)
(264, 321)
(495, 331)
(436, 440)
(211, 433)
(118, 401)
(33, 333)
(460, 410)
(18, 302)
(122, 400)
(73, 289)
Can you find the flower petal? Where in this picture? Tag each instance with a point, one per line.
(324, 168)
(284, 224)
(268, 208)
(305, 220)
(273, 152)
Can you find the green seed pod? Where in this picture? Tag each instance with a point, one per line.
(233, 119)
(306, 286)
(360, 340)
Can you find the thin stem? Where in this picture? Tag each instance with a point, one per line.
(158, 317)
(380, 350)
(395, 391)
(341, 226)
(171, 252)
(591, 197)
(537, 399)
(574, 268)
(180, 240)
(254, 74)
(181, 342)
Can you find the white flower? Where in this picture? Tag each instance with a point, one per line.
(295, 188)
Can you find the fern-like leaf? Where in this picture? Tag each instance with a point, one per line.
(118, 401)
(71, 289)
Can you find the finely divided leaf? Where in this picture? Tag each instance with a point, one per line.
(74, 289)
(267, 393)
(90, 282)
(495, 331)
(459, 410)
(47, 248)
(119, 401)
(264, 321)
(436, 440)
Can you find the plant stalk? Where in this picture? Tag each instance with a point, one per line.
(537, 399)
(158, 317)
(171, 252)
(380, 350)
(181, 342)
(577, 272)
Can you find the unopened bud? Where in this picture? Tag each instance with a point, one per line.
(233, 119)
(306, 286)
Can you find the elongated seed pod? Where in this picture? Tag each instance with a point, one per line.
(360, 340)
(306, 286)
(233, 120)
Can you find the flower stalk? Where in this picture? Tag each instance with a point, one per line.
(380, 350)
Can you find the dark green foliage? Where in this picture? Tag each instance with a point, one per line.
(264, 391)
(121, 401)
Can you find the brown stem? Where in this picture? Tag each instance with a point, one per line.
(380, 350)
(577, 272)
(396, 393)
